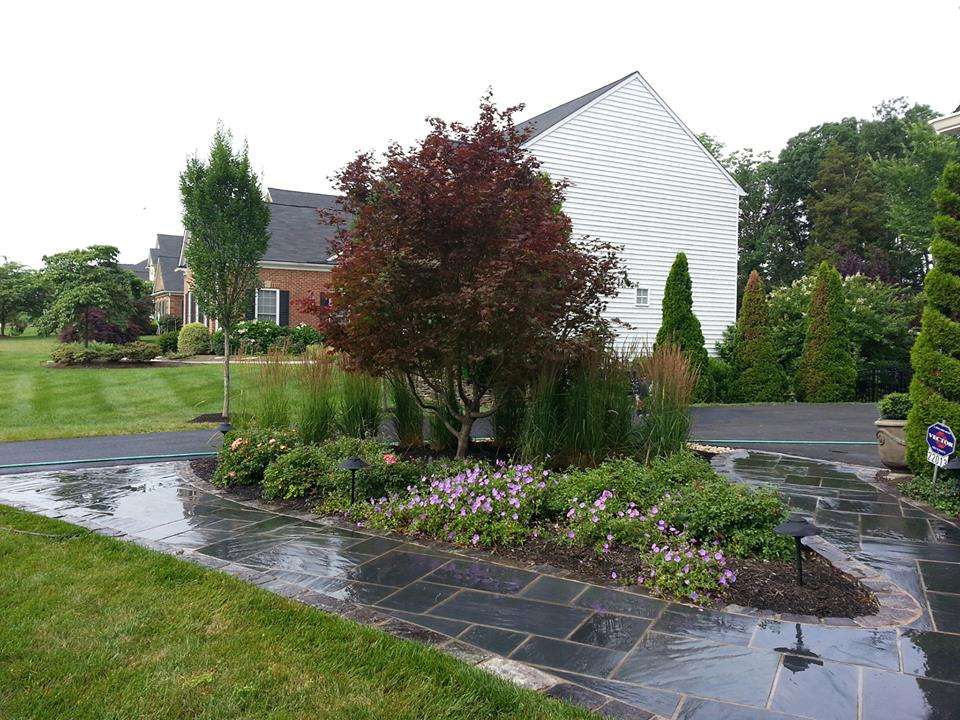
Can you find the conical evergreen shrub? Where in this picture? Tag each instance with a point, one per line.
(680, 326)
(935, 388)
(827, 371)
(759, 376)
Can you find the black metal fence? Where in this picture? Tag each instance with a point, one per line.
(873, 383)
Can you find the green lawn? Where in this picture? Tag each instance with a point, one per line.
(98, 628)
(38, 402)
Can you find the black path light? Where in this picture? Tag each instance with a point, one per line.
(353, 464)
(797, 527)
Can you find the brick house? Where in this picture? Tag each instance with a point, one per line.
(297, 261)
(638, 177)
(162, 263)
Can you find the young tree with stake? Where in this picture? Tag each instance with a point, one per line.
(225, 218)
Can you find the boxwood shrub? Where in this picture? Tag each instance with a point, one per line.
(78, 354)
(894, 406)
(194, 339)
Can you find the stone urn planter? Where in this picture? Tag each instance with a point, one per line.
(892, 444)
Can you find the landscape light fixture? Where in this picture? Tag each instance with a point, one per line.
(353, 464)
(797, 527)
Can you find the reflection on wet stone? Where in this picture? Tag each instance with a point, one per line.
(396, 568)
(616, 632)
(480, 575)
(826, 691)
(877, 648)
(572, 657)
(512, 613)
(502, 642)
(418, 597)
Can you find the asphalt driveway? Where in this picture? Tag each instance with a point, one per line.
(791, 428)
(841, 432)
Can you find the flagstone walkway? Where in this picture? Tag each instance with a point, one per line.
(622, 653)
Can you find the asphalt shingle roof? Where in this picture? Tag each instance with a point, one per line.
(165, 258)
(548, 119)
(297, 232)
(139, 269)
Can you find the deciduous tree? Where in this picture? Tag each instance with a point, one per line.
(21, 294)
(226, 218)
(459, 269)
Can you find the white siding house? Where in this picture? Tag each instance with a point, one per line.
(639, 178)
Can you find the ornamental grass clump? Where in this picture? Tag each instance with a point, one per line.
(317, 386)
(666, 420)
(407, 413)
(361, 404)
(269, 403)
(484, 505)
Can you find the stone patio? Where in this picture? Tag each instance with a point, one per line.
(622, 653)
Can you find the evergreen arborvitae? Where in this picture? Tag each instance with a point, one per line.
(827, 371)
(935, 388)
(759, 375)
(680, 326)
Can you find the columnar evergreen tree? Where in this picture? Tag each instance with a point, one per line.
(935, 388)
(226, 218)
(680, 326)
(760, 378)
(827, 371)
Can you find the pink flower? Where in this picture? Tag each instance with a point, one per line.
(239, 442)
(389, 458)
(613, 575)
(475, 539)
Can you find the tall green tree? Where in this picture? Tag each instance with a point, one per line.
(848, 210)
(21, 294)
(935, 388)
(827, 371)
(909, 182)
(88, 285)
(679, 326)
(760, 377)
(225, 217)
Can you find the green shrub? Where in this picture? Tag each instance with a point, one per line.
(935, 388)
(304, 336)
(74, 354)
(361, 405)
(139, 351)
(723, 381)
(314, 470)
(681, 327)
(168, 342)
(894, 406)
(318, 399)
(827, 371)
(194, 339)
(759, 376)
(407, 413)
(77, 354)
(244, 457)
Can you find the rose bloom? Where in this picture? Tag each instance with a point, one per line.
(390, 458)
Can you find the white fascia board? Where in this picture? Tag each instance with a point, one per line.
(279, 265)
(947, 125)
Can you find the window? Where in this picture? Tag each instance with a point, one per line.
(268, 305)
(643, 297)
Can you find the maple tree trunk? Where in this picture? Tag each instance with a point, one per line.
(463, 438)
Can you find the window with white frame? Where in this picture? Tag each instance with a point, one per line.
(268, 305)
(643, 297)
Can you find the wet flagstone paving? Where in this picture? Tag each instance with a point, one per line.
(620, 653)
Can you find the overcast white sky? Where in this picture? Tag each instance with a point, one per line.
(103, 102)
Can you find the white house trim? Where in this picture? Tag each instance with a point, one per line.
(948, 124)
(256, 303)
(279, 265)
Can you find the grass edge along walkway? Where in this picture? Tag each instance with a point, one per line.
(95, 627)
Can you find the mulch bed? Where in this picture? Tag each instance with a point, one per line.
(826, 591)
(208, 418)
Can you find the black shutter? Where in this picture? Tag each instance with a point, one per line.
(284, 307)
(250, 312)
